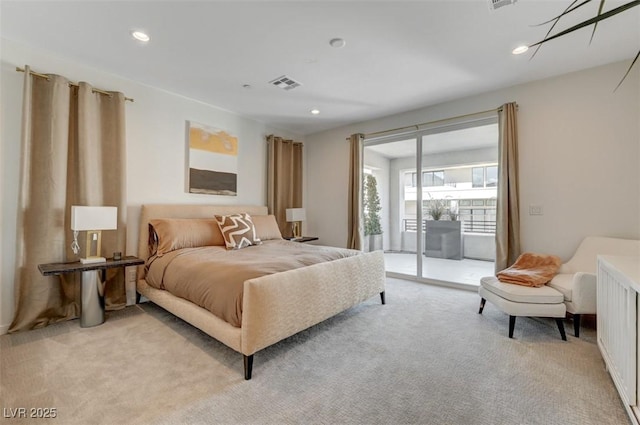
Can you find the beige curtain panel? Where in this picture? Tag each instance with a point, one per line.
(284, 179)
(73, 153)
(507, 210)
(355, 226)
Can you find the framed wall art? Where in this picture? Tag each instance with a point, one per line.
(212, 160)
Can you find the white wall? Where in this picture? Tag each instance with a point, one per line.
(579, 150)
(155, 149)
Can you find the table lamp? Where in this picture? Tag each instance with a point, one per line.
(296, 216)
(92, 220)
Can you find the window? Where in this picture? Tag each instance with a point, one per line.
(477, 177)
(410, 179)
(491, 179)
(429, 178)
(484, 176)
(432, 178)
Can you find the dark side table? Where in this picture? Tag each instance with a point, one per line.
(303, 239)
(92, 289)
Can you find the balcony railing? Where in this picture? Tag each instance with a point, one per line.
(468, 226)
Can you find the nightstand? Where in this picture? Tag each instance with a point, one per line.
(303, 239)
(92, 289)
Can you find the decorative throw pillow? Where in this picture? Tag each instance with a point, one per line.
(266, 227)
(168, 234)
(237, 230)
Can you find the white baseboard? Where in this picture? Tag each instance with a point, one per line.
(4, 329)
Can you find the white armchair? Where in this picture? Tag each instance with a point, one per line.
(576, 279)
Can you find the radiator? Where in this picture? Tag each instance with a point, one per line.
(617, 322)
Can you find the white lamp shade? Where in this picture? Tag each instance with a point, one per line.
(94, 218)
(296, 214)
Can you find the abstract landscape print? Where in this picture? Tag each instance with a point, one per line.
(213, 161)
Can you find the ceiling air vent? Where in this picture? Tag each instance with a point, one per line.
(497, 4)
(285, 83)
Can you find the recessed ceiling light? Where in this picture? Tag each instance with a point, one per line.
(140, 36)
(337, 43)
(315, 111)
(520, 50)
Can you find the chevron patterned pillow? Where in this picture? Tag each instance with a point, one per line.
(237, 230)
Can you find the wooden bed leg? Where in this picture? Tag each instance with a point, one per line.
(248, 365)
(138, 296)
(382, 297)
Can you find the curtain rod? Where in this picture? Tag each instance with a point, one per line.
(37, 74)
(417, 126)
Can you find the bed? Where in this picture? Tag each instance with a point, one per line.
(273, 306)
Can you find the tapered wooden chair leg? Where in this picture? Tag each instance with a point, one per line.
(560, 323)
(576, 325)
(482, 301)
(512, 325)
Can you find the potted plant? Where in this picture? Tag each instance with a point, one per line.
(372, 227)
(453, 213)
(437, 209)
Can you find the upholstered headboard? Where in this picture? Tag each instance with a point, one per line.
(149, 212)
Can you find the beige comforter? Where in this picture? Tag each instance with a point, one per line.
(213, 277)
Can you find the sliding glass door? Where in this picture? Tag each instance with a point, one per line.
(459, 172)
(386, 162)
(437, 208)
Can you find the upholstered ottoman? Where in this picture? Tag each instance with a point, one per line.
(517, 300)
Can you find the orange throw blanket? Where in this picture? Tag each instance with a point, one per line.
(531, 270)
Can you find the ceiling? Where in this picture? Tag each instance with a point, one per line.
(398, 56)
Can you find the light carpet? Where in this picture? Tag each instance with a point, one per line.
(427, 357)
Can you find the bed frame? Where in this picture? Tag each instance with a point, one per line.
(275, 306)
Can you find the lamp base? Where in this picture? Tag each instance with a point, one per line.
(91, 260)
(297, 230)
